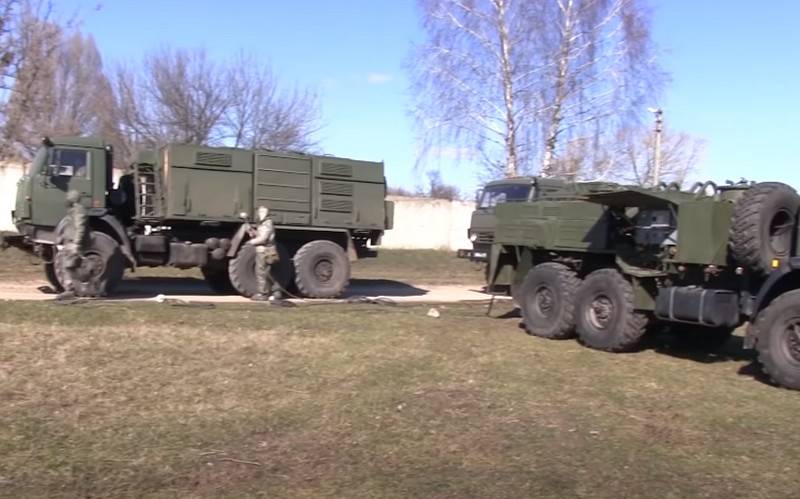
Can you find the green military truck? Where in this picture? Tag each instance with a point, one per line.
(187, 206)
(611, 265)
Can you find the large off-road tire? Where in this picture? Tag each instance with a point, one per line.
(102, 266)
(763, 225)
(778, 340)
(605, 315)
(242, 270)
(322, 269)
(217, 278)
(547, 301)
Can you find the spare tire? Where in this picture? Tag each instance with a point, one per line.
(763, 225)
(242, 270)
(101, 270)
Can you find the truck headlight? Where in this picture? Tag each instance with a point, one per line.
(473, 237)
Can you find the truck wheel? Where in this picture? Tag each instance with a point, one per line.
(762, 227)
(778, 333)
(102, 266)
(242, 270)
(547, 301)
(218, 279)
(322, 269)
(606, 319)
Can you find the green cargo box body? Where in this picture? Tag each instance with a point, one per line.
(219, 184)
(553, 225)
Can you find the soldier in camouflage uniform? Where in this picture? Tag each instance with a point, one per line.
(73, 242)
(263, 238)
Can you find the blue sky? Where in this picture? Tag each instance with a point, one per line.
(734, 70)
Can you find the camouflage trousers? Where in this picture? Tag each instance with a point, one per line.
(266, 284)
(72, 263)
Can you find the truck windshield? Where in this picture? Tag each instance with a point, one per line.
(503, 194)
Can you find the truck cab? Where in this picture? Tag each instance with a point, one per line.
(61, 164)
(483, 222)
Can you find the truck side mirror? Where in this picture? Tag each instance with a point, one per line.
(478, 196)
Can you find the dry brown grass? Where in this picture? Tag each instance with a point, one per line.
(144, 400)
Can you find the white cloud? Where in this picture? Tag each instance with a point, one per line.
(378, 78)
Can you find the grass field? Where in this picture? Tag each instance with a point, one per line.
(414, 266)
(147, 400)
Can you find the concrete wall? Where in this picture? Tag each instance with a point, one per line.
(9, 175)
(424, 223)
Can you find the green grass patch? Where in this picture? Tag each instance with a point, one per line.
(144, 400)
(420, 267)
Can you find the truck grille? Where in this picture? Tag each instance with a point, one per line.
(485, 237)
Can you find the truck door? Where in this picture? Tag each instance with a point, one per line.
(66, 168)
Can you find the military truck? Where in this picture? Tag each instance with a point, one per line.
(612, 265)
(189, 206)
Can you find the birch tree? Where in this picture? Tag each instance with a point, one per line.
(472, 81)
(600, 70)
(525, 85)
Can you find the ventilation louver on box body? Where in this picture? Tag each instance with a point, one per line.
(335, 170)
(213, 159)
(336, 189)
(343, 206)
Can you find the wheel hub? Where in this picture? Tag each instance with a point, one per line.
(793, 339)
(780, 232)
(323, 270)
(92, 266)
(601, 312)
(544, 300)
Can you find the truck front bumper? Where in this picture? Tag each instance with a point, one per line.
(474, 255)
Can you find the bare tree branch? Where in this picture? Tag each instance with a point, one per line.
(182, 96)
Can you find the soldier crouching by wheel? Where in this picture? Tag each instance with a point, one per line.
(74, 239)
(263, 239)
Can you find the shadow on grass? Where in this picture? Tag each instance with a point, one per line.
(142, 287)
(731, 351)
(382, 287)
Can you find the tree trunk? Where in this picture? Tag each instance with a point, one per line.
(511, 169)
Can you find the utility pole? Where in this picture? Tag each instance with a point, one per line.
(659, 117)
